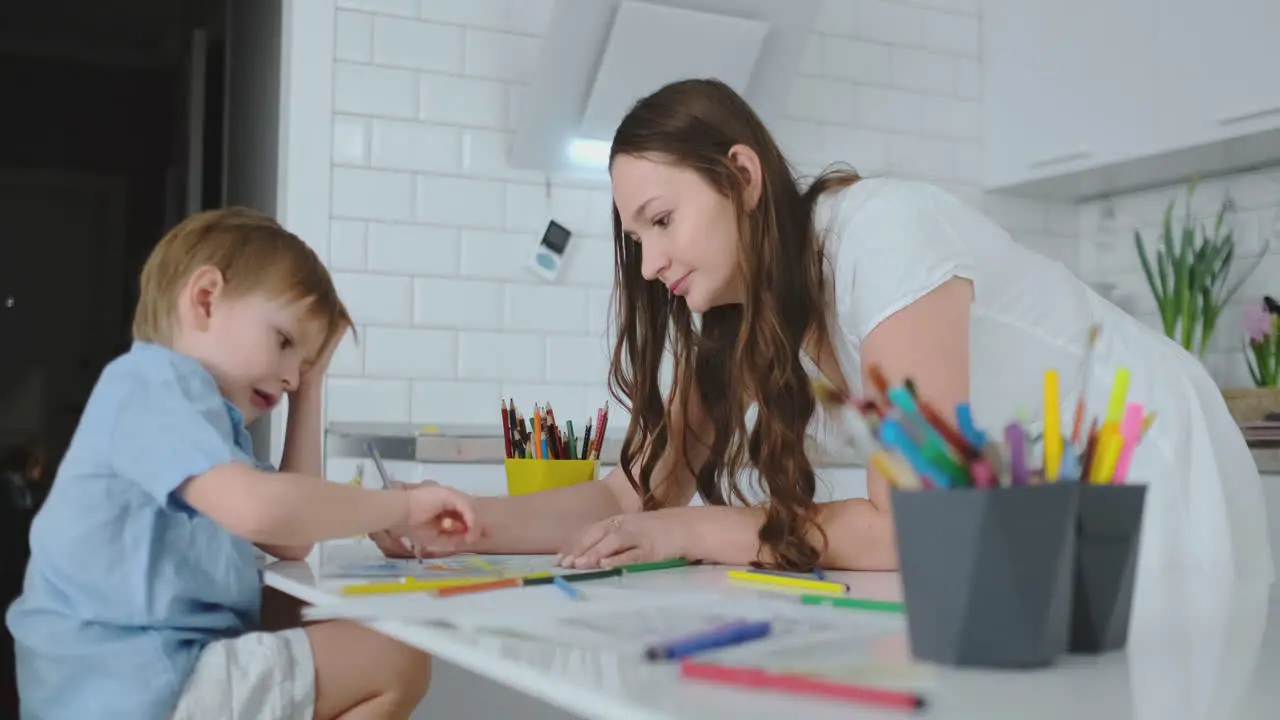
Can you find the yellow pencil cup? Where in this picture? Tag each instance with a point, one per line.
(525, 476)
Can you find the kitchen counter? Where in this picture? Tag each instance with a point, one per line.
(477, 444)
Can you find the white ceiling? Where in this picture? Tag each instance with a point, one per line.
(600, 56)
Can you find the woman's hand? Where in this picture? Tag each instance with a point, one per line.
(437, 539)
(630, 538)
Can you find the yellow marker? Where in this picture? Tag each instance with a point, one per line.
(409, 584)
(1115, 407)
(1052, 427)
(1110, 442)
(896, 470)
(766, 578)
(485, 565)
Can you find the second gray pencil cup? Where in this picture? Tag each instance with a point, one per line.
(987, 574)
(1108, 532)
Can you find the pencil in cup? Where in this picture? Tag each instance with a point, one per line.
(542, 437)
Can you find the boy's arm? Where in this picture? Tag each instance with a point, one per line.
(284, 509)
(302, 437)
(302, 454)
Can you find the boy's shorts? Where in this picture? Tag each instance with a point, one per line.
(257, 675)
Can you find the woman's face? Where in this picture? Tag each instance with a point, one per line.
(687, 231)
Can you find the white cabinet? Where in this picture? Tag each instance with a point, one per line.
(1084, 97)
(1242, 45)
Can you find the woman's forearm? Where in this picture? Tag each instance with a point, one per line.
(542, 522)
(859, 536)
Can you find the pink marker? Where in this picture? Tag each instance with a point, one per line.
(1130, 433)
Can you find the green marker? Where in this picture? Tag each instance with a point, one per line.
(572, 577)
(659, 565)
(853, 603)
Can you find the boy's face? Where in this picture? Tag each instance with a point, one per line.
(256, 347)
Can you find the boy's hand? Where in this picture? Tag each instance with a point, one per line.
(437, 513)
(313, 376)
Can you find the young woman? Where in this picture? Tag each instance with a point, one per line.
(750, 283)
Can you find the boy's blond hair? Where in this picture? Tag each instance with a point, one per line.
(253, 253)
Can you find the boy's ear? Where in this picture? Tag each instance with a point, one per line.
(202, 290)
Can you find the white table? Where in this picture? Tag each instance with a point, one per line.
(1199, 649)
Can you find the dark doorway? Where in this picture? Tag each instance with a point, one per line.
(111, 130)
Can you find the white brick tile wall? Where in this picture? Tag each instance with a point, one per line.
(372, 194)
(446, 303)
(418, 45)
(406, 8)
(432, 227)
(500, 55)
(401, 145)
(403, 248)
(410, 353)
(463, 101)
(957, 34)
(370, 90)
(462, 202)
(1109, 260)
(502, 356)
(454, 401)
(350, 140)
(347, 240)
(380, 299)
(354, 36)
(368, 400)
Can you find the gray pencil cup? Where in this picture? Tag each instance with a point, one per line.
(1107, 539)
(987, 574)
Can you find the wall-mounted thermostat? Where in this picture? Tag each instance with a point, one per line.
(548, 256)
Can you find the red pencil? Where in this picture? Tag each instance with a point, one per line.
(506, 431)
(478, 587)
(799, 684)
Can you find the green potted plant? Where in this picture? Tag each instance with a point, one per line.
(1191, 277)
(1262, 357)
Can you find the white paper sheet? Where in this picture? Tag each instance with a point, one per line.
(616, 617)
(452, 567)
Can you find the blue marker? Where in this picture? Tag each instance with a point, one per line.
(573, 592)
(964, 418)
(723, 636)
(1070, 469)
(895, 437)
(906, 402)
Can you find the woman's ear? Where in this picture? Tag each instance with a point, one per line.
(747, 162)
(199, 295)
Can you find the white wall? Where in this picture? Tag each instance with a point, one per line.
(1109, 260)
(430, 226)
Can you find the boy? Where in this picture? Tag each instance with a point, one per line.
(142, 596)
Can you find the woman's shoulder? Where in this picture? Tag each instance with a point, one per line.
(870, 203)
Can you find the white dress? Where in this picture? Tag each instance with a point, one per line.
(890, 242)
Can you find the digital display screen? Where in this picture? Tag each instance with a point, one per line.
(556, 238)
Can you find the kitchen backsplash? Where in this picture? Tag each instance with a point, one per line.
(431, 226)
(1109, 261)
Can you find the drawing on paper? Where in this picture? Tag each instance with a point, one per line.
(453, 566)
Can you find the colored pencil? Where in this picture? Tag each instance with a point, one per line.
(799, 684)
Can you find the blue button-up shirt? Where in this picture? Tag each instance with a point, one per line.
(127, 583)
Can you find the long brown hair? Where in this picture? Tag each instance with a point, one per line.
(737, 355)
